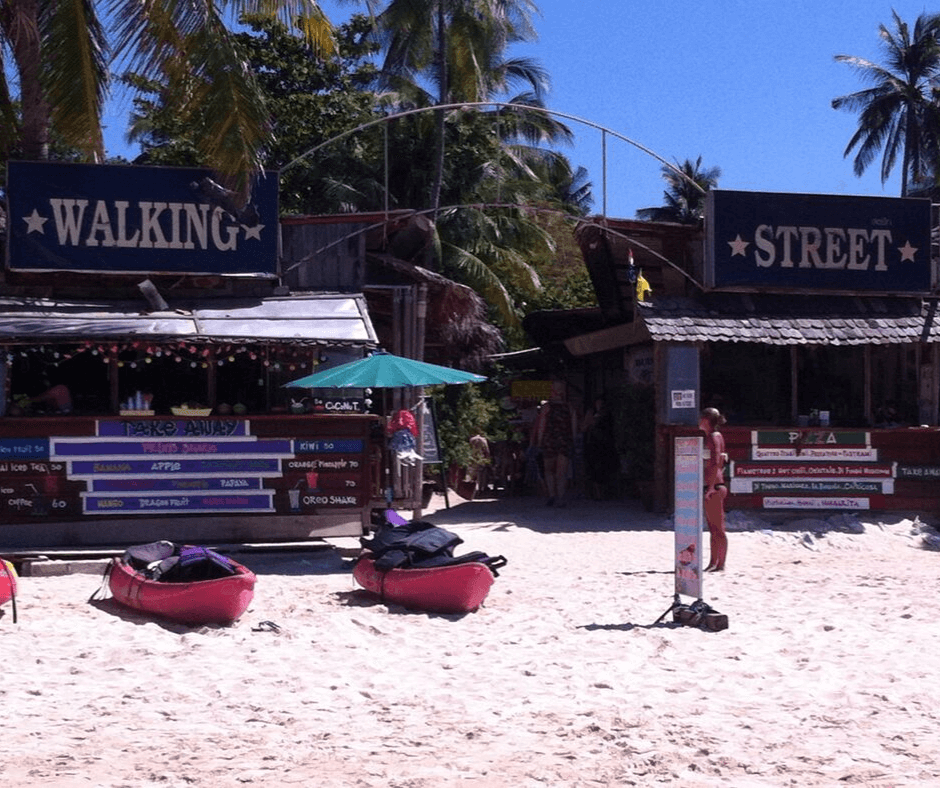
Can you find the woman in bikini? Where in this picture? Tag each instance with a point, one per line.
(715, 489)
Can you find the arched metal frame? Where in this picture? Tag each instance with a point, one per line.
(479, 104)
(467, 104)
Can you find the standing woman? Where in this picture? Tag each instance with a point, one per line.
(715, 489)
(555, 434)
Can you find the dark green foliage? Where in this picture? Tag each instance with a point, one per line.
(684, 200)
(330, 151)
(309, 99)
(898, 113)
(462, 412)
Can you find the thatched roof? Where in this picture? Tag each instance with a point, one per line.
(456, 329)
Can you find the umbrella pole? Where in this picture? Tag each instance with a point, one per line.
(389, 481)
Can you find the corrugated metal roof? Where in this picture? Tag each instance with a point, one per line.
(789, 320)
(334, 318)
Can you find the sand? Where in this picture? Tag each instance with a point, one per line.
(826, 676)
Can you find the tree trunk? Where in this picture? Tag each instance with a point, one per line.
(27, 55)
(439, 114)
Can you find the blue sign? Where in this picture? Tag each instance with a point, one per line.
(328, 446)
(24, 449)
(172, 428)
(758, 240)
(174, 485)
(184, 504)
(64, 448)
(128, 219)
(682, 384)
(249, 466)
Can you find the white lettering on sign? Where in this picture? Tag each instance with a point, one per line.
(160, 225)
(824, 248)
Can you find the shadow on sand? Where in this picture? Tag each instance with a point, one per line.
(580, 515)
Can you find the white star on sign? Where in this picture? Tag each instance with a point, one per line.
(253, 232)
(907, 252)
(738, 246)
(34, 222)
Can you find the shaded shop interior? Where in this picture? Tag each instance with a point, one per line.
(225, 356)
(831, 397)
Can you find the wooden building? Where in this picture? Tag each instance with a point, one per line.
(810, 321)
(172, 318)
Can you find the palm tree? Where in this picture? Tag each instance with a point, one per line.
(685, 197)
(61, 53)
(458, 47)
(894, 112)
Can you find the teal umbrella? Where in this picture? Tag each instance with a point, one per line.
(384, 370)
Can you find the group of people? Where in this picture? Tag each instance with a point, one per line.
(554, 434)
(553, 439)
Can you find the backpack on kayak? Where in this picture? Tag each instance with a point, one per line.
(419, 544)
(169, 562)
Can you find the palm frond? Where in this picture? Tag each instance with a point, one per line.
(482, 278)
(76, 77)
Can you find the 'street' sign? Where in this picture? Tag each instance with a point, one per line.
(817, 242)
(127, 219)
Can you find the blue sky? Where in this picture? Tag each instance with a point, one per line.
(746, 84)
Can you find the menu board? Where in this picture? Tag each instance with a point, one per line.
(815, 468)
(136, 467)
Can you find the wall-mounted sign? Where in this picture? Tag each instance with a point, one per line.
(129, 219)
(530, 389)
(865, 454)
(682, 384)
(338, 405)
(810, 437)
(638, 363)
(812, 486)
(817, 242)
(816, 503)
(683, 398)
(812, 470)
(185, 466)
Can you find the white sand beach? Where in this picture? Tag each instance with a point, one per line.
(826, 675)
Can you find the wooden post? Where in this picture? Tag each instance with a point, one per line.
(794, 383)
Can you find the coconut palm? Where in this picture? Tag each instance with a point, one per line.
(894, 112)
(685, 196)
(61, 54)
(458, 47)
(443, 52)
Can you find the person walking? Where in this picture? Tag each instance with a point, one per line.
(555, 435)
(479, 470)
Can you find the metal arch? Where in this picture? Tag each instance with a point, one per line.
(466, 104)
(586, 223)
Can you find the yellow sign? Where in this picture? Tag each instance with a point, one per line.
(530, 389)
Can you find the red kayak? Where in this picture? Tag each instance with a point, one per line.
(217, 601)
(456, 588)
(7, 584)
